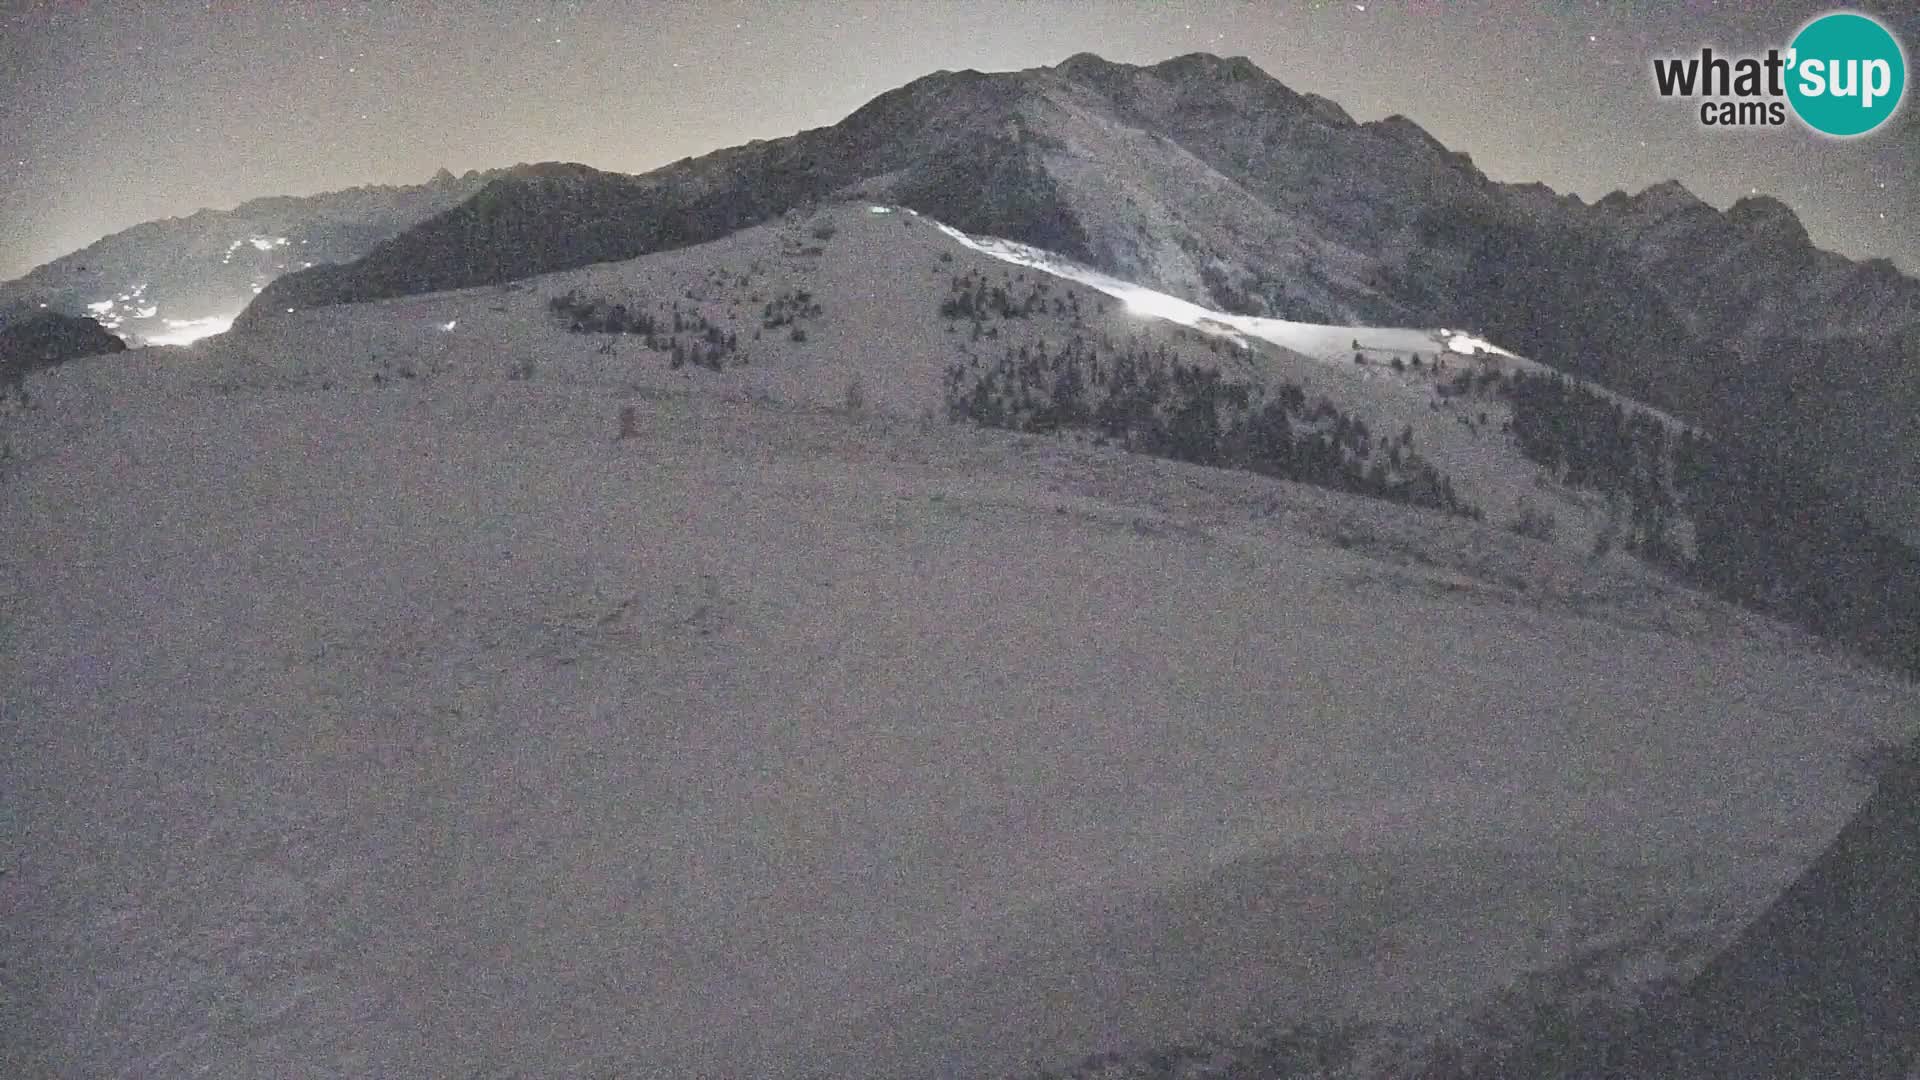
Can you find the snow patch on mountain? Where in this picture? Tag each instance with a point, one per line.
(1320, 341)
(1326, 343)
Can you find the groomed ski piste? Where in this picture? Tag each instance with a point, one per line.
(1320, 341)
(1329, 344)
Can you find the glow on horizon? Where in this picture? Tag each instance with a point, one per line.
(1158, 305)
(188, 331)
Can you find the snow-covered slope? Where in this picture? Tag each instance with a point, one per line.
(879, 279)
(421, 688)
(1387, 376)
(1323, 342)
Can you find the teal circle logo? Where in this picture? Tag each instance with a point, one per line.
(1846, 74)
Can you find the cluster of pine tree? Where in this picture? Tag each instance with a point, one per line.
(686, 337)
(1767, 535)
(589, 316)
(1590, 441)
(1772, 537)
(789, 308)
(972, 297)
(1470, 383)
(1150, 401)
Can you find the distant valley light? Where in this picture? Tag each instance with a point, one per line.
(188, 331)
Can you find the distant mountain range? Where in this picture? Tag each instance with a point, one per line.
(1208, 179)
(1199, 176)
(161, 278)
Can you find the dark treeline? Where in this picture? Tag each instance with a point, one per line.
(1590, 441)
(1150, 401)
(975, 298)
(684, 337)
(1766, 535)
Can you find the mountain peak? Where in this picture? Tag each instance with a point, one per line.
(1086, 62)
(1768, 215)
(1402, 129)
(1668, 195)
(1206, 63)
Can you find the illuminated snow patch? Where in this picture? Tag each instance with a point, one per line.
(1468, 345)
(147, 312)
(450, 324)
(879, 209)
(1315, 341)
(100, 307)
(188, 331)
(1158, 305)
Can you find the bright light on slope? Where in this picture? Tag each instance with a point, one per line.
(1158, 305)
(1468, 345)
(1331, 345)
(1328, 344)
(188, 331)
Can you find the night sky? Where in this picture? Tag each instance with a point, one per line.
(119, 111)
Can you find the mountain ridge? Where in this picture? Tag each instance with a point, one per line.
(1207, 178)
(207, 265)
(1225, 112)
